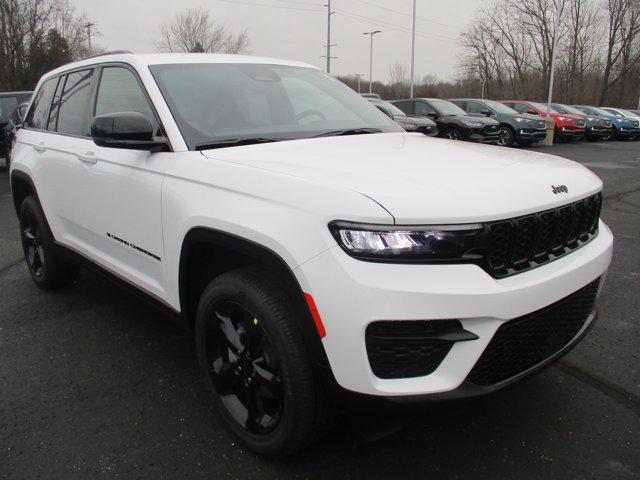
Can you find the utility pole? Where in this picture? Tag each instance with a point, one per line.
(89, 26)
(556, 31)
(413, 48)
(358, 76)
(329, 44)
(371, 34)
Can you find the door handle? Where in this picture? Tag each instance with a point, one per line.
(88, 157)
(40, 147)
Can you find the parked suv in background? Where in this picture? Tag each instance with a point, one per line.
(598, 127)
(7, 134)
(627, 114)
(9, 101)
(318, 252)
(409, 124)
(623, 127)
(567, 127)
(520, 128)
(452, 121)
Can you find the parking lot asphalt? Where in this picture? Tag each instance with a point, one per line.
(95, 384)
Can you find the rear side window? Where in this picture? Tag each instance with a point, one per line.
(119, 91)
(73, 103)
(37, 116)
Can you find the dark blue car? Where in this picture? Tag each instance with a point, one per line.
(623, 127)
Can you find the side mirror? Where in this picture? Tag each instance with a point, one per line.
(130, 130)
(486, 113)
(532, 112)
(432, 115)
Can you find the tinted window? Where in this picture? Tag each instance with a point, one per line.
(476, 107)
(37, 116)
(446, 108)
(74, 100)
(119, 91)
(408, 108)
(7, 106)
(55, 105)
(423, 109)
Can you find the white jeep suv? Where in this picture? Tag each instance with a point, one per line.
(320, 254)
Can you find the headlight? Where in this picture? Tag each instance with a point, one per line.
(565, 119)
(408, 243)
(521, 120)
(470, 123)
(592, 119)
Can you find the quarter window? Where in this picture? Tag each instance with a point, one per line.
(119, 91)
(37, 116)
(71, 114)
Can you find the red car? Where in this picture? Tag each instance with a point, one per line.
(568, 126)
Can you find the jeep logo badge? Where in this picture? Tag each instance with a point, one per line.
(559, 189)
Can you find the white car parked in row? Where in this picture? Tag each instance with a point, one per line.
(319, 253)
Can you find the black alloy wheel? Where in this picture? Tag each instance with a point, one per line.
(244, 368)
(32, 245)
(505, 137)
(453, 134)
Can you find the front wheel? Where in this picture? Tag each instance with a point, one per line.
(506, 137)
(251, 350)
(453, 134)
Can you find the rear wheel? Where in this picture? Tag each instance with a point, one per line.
(254, 359)
(48, 270)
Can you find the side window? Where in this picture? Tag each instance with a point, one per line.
(52, 124)
(476, 107)
(75, 96)
(119, 91)
(424, 109)
(407, 107)
(37, 116)
(460, 103)
(7, 106)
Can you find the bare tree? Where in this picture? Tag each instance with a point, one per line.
(195, 31)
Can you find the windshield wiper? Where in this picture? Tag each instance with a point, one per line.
(349, 131)
(236, 142)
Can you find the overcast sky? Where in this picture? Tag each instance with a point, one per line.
(296, 29)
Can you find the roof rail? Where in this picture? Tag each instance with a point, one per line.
(113, 52)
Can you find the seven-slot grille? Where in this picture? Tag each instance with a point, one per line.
(522, 243)
(525, 342)
(579, 123)
(540, 124)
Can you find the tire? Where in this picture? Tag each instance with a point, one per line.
(453, 133)
(506, 137)
(255, 361)
(48, 270)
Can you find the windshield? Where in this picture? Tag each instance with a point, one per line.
(446, 108)
(542, 107)
(499, 107)
(214, 101)
(594, 111)
(627, 113)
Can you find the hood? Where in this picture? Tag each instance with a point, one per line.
(425, 180)
(482, 120)
(421, 121)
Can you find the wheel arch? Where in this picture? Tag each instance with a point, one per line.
(206, 253)
(22, 186)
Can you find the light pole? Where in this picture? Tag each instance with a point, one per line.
(358, 76)
(413, 48)
(329, 44)
(556, 31)
(371, 34)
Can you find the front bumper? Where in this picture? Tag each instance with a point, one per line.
(531, 134)
(484, 135)
(597, 131)
(350, 294)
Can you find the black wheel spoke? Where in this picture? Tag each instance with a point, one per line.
(244, 368)
(270, 385)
